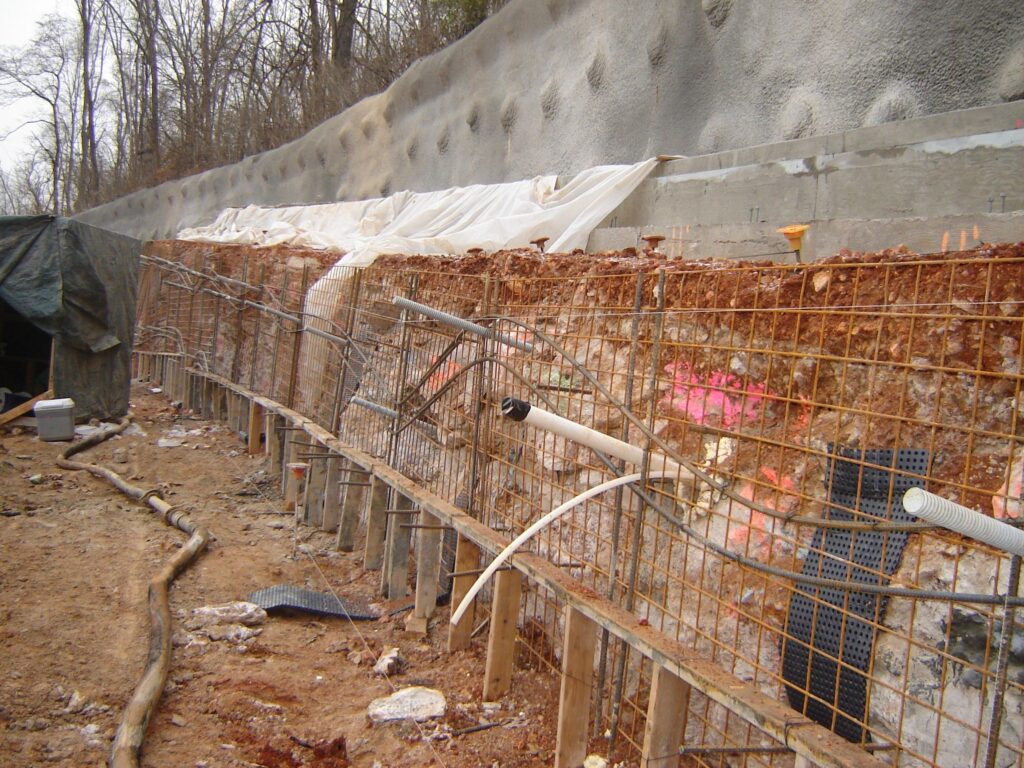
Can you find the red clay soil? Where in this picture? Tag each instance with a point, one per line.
(76, 560)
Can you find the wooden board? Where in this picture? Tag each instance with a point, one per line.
(577, 684)
(395, 576)
(351, 509)
(376, 525)
(332, 495)
(467, 558)
(501, 642)
(666, 720)
(428, 561)
(20, 410)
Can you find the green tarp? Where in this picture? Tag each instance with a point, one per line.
(78, 284)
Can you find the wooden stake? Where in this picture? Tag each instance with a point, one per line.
(332, 493)
(501, 641)
(255, 429)
(376, 524)
(666, 720)
(395, 577)
(428, 562)
(577, 684)
(313, 506)
(355, 500)
(467, 558)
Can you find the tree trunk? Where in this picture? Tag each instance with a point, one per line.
(343, 32)
(89, 167)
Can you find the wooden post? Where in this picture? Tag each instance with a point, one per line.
(218, 401)
(501, 641)
(577, 682)
(313, 505)
(376, 524)
(666, 720)
(254, 433)
(355, 500)
(288, 456)
(332, 505)
(241, 414)
(275, 442)
(231, 408)
(467, 558)
(802, 762)
(428, 562)
(395, 577)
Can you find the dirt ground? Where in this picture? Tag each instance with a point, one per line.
(75, 559)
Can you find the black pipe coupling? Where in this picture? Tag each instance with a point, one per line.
(516, 410)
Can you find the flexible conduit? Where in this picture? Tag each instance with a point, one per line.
(127, 744)
(457, 322)
(383, 410)
(542, 523)
(949, 514)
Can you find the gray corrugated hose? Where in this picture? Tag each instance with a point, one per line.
(130, 733)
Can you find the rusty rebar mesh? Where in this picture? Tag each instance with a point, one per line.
(749, 371)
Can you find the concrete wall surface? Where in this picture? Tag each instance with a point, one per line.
(935, 183)
(554, 86)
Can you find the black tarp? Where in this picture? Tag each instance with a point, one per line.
(78, 284)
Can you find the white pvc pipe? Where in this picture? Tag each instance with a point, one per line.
(948, 514)
(591, 438)
(542, 523)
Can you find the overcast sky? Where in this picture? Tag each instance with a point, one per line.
(17, 27)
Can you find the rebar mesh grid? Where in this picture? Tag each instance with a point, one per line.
(760, 378)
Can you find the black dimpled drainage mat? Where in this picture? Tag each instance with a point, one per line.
(284, 597)
(822, 624)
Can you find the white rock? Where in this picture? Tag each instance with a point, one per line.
(91, 734)
(239, 612)
(388, 663)
(233, 633)
(595, 761)
(416, 703)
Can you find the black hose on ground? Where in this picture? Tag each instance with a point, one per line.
(131, 732)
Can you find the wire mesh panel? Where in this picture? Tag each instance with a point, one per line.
(798, 403)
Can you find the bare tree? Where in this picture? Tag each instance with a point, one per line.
(139, 91)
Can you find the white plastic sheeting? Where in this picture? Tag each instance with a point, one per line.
(450, 221)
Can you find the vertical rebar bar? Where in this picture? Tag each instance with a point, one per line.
(279, 329)
(346, 355)
(256, 331)
(478, 411)
(293, 373)
(1005, 641)
(613, 557)
(638, 520)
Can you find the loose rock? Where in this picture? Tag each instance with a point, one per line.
(239, 612)
(389, 662)
(416, 703)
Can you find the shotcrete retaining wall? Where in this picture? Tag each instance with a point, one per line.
(559, 85)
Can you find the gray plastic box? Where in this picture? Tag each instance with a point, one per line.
(56, 419)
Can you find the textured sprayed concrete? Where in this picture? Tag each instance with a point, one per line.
(559, 85)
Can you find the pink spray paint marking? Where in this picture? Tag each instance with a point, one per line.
(719, 398)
